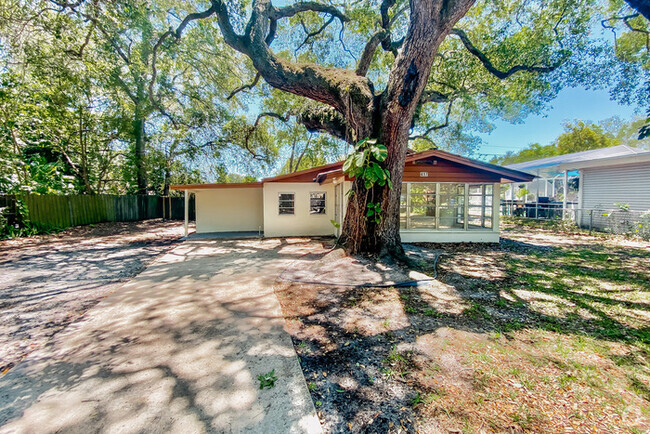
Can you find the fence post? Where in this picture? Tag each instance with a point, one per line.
(591, 220)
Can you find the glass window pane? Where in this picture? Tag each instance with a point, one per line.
(286, 203)
(487, 223)
(452, 189)
(476, 200)
(420, 188)
(475, 189)
(474, 222)
(475, 211)
(488, 189)
(452, 218)
(422, 223)
(317, 202)
(488, 201)
(423, 199)
(423, 211)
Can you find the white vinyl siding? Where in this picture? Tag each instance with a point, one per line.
(605, 186)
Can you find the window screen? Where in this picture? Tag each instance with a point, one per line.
(317, 203)
(286, 203)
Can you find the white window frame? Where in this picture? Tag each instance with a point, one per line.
(279, 203)
(324, 193)
(486, 213)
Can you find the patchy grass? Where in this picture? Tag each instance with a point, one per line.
(542, 332)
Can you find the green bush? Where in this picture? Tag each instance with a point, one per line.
(22, 227)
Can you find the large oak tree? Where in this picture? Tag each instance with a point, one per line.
(385, 108)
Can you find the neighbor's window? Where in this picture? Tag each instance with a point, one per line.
(317, 203)
(286, 203)
(479, 210)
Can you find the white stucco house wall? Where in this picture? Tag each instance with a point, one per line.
(445, 198)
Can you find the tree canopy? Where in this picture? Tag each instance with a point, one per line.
(131, 95)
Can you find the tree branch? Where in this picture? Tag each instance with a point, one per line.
(245, 86)
(369, 52)
(435, 127)
(327, 120)
(177, 35)
(339, 88)
(314, 33)
(308, 6)
(83, 46)
(434, 96)
(495, 71)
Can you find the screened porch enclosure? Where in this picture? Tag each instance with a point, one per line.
(447, 206)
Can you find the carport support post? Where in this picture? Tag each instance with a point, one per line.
(187, 211)
(566, 193)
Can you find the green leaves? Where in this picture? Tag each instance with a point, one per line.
(374, 212)
(379, 152)
(267, 380)
(365, 163)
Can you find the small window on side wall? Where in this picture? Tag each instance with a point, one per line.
(317, 203)
(286, 203)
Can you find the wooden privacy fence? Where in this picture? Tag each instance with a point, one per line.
(66, 211)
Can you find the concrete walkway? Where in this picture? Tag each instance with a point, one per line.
(177, 349)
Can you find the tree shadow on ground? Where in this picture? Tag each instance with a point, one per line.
(178, 348)
(501, 289)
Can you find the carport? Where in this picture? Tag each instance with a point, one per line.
(225, 208)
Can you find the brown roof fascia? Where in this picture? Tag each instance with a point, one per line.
(314, 170)
(216, 186)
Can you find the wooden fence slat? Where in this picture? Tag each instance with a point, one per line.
(74, 210)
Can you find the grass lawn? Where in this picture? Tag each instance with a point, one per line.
(544, 332)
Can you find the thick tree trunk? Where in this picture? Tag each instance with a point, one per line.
(356, 111)
(138, 157)
(431, 22)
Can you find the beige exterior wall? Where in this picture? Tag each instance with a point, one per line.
(301, 222)
(229, 210)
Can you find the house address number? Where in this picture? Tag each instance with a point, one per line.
(424, 174)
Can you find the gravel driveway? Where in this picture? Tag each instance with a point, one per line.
(48, 282)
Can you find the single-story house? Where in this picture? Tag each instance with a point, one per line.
(445, 198)
(606, 177)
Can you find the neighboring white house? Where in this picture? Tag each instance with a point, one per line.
(607, 177)
(445, 198)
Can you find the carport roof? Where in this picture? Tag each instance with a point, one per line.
(577, 160)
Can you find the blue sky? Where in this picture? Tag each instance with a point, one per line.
(574, 103)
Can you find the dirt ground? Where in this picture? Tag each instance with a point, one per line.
(49, 281)
(543, 332)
